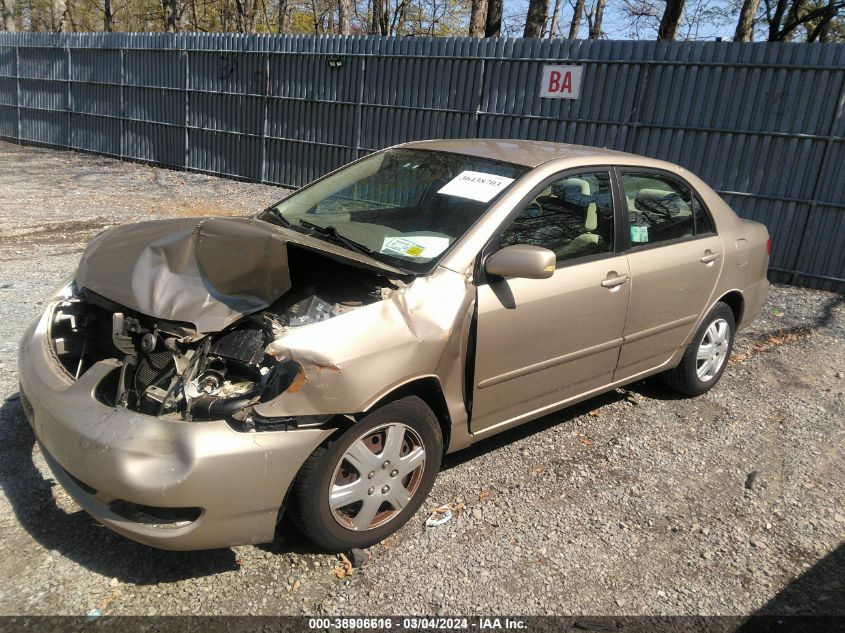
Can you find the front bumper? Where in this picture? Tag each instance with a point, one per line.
(108, 458)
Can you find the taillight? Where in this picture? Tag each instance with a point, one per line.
(769, 247)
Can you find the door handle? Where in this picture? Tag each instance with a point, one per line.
(613, 282)
(709, 257)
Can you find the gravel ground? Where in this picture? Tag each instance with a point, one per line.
(634, 502)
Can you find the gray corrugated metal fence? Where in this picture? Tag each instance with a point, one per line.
(762, 123)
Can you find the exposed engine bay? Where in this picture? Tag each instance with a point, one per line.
(170, 369)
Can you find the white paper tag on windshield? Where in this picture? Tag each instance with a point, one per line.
(416, 246)
(475, 185)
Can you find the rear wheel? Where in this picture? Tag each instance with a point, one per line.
(707, 354)
(368, 482)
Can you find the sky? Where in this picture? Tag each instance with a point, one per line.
(616, 26)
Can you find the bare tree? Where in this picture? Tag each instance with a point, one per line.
(7, 12)
(397, 24)
(594, 19)
(577, 16)
(344, 9)
(172, 13)
(381, 17)
(108, 16)
(245, 16)
(283, 16)
(478, 11)
(786, 16)
(745, 23)
(493, 23)
(58, 14)
(671, 19)
(555, 16)
(535, 21)
(820, 31)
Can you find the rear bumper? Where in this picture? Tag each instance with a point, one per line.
(226, 486)
(754, 298)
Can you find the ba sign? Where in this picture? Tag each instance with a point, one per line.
(561, 82)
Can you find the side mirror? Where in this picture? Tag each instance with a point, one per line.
(522, 260)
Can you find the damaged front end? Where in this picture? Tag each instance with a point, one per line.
(170, 369)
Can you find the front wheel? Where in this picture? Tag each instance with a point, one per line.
(368, 482)
(707, 354)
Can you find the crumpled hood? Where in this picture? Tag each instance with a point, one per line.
(209, 272)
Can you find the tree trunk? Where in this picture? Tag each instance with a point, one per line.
(775, 20)
(493, 23)
(343, 10)
(381, 18)
(171, 15)
(598, 14)
(397, 25)
(7, 9)
(745, 24)
(671, 19)
(283, 16)
(59, 15)
(245, 15)
(108, 16)
(476, 18)
(821, 32)
(535, 21)
(555, 16)
(577, 15)
(793, 19)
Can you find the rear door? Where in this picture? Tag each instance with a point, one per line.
(675, 258)
(542, 341)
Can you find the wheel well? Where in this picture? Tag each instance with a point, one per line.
(429, 391)
(736, 303)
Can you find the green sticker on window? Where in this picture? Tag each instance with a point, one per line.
(639, 234)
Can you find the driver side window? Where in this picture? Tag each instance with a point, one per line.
(573, 217)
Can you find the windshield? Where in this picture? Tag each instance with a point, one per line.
(403, 207)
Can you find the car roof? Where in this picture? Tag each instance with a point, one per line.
(521, 152)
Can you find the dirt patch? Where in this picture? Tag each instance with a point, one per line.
(55, 233)
(767, 343)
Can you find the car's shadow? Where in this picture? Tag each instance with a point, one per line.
(532, 428)
(77, 536)
(815, 600)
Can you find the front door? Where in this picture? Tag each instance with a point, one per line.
(542, 341)
(675, 260)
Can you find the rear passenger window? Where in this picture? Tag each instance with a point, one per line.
(703, 223)
(660, 208)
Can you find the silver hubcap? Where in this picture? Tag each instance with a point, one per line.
(713, 350)
(377, 477)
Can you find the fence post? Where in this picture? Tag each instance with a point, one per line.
(69, 107)
(633, 122)
(18, 87)
(265, 123)
(187, 58)
(359, 106)
(122, 101)
(482, 75)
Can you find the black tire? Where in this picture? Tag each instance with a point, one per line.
(684, 378)
(309, 498)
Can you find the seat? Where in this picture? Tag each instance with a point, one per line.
(574, 194)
